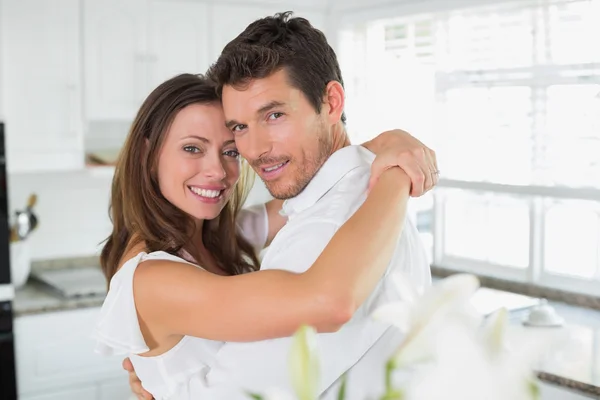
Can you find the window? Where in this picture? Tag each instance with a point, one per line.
(509, 96)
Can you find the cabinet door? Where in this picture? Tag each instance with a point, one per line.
(69, 394)
(114, 56)
(41, 84)
(55, 352)
(178, 39)
(115, 390)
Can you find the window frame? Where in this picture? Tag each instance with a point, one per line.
(538, 76)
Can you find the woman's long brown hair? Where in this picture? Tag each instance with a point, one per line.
(138, 210)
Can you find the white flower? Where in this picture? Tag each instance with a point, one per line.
(451, 354)
(422, 317)
(476, 364)
(277, 394)
(304, 364)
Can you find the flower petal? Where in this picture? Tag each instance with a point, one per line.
(304, 363)
(494, 332)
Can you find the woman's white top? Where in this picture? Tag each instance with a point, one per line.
(180, 372)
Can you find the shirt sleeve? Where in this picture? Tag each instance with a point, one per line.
(253, 225)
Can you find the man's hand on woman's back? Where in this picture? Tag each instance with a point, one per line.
(134, 382)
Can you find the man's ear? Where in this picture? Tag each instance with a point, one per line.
(333, 101)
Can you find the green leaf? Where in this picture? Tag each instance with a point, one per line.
(390, 366)
(342, 392)
(393, 395)
(255, 396)
(534, 389)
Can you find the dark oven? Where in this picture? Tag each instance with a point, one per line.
(8, 386)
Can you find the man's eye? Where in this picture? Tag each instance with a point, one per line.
(275, 115)
(238, 127)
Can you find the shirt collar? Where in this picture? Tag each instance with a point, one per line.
(333, 170)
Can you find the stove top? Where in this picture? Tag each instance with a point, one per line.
(74, 282)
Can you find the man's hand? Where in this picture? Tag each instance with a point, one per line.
(134, 382)
(399, 148)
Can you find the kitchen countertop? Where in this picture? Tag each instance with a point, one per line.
(573, 364)
(36, 298)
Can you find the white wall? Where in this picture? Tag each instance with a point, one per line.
(73, 206)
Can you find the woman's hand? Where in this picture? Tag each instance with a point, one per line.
(397, 148)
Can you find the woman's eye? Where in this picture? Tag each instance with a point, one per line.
(275, 115)
(232, 153)
(191, 149)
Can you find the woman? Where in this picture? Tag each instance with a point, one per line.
(176, 261)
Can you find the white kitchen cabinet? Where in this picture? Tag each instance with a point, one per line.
(131, 47)
(115, 390)
(115, 57)
(41, 84)
(72, 394)
(178, 40)
(55, 355)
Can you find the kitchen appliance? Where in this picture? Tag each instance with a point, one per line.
(8, 385)
(74, 282)
(8, 379)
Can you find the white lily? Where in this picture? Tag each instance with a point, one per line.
(476, 364)
(423, 317)
(304, 363)
(278, 394)
(467, 361)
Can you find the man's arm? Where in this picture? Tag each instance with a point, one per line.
(134, 382)
(399, 148)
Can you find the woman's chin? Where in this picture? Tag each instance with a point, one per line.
(207, 213)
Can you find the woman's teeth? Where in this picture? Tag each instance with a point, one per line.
(206, 192)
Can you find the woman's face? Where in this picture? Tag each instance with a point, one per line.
(198, 163)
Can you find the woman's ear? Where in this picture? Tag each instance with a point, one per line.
(334, 100)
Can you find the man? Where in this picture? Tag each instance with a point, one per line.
(283, 98)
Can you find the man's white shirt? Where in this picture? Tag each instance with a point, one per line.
(362, 346)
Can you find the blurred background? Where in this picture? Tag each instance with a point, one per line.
(506, 92)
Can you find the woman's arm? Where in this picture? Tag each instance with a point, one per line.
(181, 299)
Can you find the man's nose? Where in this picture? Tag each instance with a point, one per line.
(258, 145)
